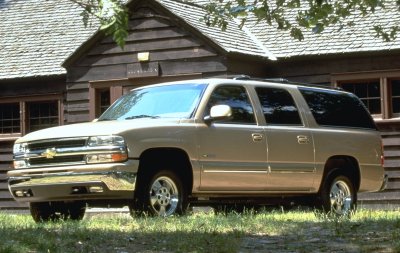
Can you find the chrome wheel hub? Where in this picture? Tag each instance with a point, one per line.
(340, 197)
(164, 196)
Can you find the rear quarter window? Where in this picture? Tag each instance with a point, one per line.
(334, 108)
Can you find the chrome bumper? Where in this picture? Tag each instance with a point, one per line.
(102, 181)
(385, 182)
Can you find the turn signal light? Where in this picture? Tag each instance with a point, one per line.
(106, 158)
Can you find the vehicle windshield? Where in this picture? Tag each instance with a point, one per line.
(169, 101)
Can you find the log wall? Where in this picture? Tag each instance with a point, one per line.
(173, 52)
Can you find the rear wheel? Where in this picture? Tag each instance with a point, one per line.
(162, 195)
(338, 197)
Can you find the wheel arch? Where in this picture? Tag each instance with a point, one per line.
(174, 159)
(344, 165)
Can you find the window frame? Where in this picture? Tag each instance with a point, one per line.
(249, 96)
(298, 109)
(390, 96)
(96, 87)
(24, 118)
(384, 78)
(19, 119)
(368, 81)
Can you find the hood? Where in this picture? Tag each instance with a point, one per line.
(95, 128)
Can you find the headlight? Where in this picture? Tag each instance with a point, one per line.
(19, 148)
(114, 149)
(109, 140)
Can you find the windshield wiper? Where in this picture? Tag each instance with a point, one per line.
(142, 116)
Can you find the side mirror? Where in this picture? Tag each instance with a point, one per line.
(219, 112)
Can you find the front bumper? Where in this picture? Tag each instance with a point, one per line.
(384, 183)
(83, 182)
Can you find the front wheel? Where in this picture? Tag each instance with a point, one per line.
(163, 195)
(338, 197)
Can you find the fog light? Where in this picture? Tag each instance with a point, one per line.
(19, 193)
(23, 193)
(95, 189)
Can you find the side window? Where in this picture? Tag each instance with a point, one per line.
(236, 97)
(332, 108)
(278, 106)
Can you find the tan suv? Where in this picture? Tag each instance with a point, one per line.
(215, 142)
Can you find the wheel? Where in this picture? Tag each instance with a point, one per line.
(338, 197)
(41, 211)
(162, 195)
(53, 211)
(72, 210)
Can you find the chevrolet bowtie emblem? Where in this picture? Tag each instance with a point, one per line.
(50, 153)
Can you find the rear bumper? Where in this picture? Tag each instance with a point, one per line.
(384, 183)
(89, 182)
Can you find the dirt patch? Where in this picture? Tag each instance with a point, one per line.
(318, 239)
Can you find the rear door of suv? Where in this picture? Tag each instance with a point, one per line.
(290, 143)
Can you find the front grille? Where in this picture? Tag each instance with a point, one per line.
(36, 152)
(56, 143)
(56, 160)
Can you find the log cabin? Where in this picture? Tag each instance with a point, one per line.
(54, 70)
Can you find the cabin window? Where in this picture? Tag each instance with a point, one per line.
(369, 92)
(10, 120)
(103, 101)
(101, 96)
(394, 91)
(43, 114)
(19, 116)
(379, 91)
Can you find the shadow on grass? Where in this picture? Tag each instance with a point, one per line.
(264, 232)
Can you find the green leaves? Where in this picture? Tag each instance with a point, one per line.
(387, 34)
(112, 15)
(313, 15)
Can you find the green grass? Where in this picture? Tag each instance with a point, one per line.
(275, 231)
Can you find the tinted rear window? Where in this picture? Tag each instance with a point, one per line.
(278, 106)
(332, 108)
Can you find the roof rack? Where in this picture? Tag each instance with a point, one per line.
(274, 80)
(282, 80)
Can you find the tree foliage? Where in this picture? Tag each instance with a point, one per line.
(112, 15)
(314, 15)
(293, 16)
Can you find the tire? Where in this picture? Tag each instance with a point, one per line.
(72, 210)
(338, 197)
(41, 211)
(163, 195)
(54, 211)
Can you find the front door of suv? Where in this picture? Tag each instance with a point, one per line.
(290, 145)
(233, 152)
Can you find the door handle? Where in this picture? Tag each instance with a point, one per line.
(302, 139)
(257, 137)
